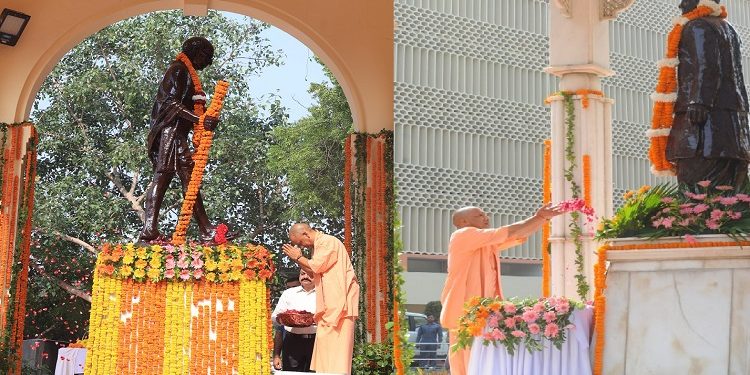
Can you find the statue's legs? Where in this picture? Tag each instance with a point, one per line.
(199, 211)
(720, 171)
(154, 198)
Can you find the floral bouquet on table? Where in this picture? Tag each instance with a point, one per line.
(666, 210)
(511, 322)
(296, 318)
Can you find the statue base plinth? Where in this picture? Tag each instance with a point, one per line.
(672, 309)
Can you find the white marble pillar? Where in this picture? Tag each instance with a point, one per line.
(677, 311)
(579, 55)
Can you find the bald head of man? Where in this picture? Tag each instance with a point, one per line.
(471, 217)
(301, 234)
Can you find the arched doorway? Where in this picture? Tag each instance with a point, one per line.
(357, 47)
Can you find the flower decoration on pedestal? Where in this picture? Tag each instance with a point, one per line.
(516, 321)
(666, 210)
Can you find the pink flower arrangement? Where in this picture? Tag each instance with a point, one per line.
(578, 205)
(710, 210)
(551, 330)
(510, 323)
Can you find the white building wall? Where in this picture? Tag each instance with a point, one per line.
(469, 112)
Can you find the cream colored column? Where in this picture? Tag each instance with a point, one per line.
(579, 55)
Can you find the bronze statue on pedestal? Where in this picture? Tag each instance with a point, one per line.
(709, 137)
(172, 119)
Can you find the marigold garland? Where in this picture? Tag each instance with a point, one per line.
(348, 194)
(398, 362)
(600, 283)
(15, 245)
(9, 358)
(200, 159)
(199, 99)
(582, 93)
(665, 93)
(218, 328)
(546, 198)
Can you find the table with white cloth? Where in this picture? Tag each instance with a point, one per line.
(70, 361)
(573, 358)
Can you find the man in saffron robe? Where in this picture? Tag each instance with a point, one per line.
(337, 293)
(473, 262)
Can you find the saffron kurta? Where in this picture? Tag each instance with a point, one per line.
(472, 271)
(337, 303)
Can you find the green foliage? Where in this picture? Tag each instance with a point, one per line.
(671, 210)
(407, 348)
(373, 359)
(576, 232)
(633, 219)
(433, 308)
(317, 160)
(28, 368)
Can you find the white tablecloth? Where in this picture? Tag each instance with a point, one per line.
(70, 361)
(572, 359)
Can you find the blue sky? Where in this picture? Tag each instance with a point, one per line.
(291, 80)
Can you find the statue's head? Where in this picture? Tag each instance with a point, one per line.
(689, 5)
(200, 52)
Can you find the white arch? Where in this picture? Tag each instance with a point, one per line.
(270, 14)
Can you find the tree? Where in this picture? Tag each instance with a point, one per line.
(92, 113)
(314, 170)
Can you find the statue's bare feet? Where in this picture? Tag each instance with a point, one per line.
(147, 238)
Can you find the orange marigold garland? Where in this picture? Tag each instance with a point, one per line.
(348, 194)
(546, 198)
(382, 238)
(399, 364)
(201, 159)
(199, 99)
(586, 164)
(582, 93)
(665, 94)
(18, 249)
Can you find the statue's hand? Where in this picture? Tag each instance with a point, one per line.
(210, 123)
(697, 114)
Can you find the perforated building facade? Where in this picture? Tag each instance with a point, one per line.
(470, 119)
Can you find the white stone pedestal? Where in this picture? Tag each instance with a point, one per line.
(678, 311)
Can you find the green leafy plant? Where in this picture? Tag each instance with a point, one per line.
(670, 210)
(373, 359)
(29, 368)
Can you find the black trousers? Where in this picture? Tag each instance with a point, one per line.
(296, 352)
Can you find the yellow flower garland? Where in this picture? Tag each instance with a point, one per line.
(241, 342)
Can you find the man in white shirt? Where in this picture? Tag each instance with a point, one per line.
(297, 348)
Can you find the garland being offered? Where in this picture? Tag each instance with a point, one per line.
(665, 93)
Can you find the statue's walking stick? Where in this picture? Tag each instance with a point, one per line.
(200, 159)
